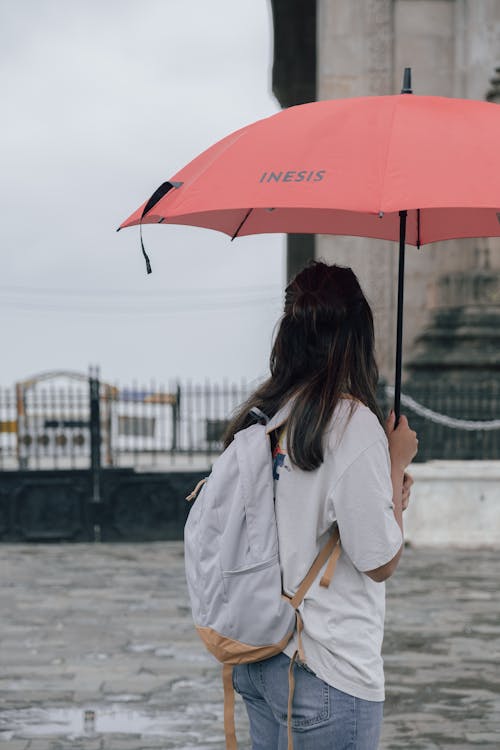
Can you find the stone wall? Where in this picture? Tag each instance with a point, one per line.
(454, 503)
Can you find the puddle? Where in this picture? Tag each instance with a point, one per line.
(140, 648)
(126, 697)
(83, 722)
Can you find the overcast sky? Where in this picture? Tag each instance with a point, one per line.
(102, 102)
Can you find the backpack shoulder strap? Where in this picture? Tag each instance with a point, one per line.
(229, 728)
(331, 549)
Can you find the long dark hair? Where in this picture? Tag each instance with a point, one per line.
(323, 350)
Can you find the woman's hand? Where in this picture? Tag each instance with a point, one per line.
(407, 483)
(403, 443)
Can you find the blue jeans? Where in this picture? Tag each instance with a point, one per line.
(323, 718)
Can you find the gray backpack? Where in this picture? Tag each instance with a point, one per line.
(233, 568)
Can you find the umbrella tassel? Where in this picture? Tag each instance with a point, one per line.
(158, 194)
(148, 264)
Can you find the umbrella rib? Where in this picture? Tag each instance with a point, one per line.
(246, 217)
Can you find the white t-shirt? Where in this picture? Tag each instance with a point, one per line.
(343, 624)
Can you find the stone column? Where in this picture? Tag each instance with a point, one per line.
(354, 58)
(476, 58)
(294, 82)
(363, 46)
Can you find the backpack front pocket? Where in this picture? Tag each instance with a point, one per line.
(252, 568)
(257, 614)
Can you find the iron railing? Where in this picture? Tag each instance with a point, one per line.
(145, 427)
(475, 402)
(181, 425)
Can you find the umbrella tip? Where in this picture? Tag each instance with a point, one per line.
(407, 89)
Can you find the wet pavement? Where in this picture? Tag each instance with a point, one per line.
(97, 652)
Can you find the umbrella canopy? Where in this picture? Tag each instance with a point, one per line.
(417, 169)
(347, 167)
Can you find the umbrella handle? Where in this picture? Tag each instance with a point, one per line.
(399, 331)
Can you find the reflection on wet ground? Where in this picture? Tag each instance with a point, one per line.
(442, 651)
(97, 652)
(75, 722)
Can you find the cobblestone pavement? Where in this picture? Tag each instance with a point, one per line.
(97, 652)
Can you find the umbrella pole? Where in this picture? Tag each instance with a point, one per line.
(407, 89)
(399, 330)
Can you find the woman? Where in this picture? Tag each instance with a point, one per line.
(335, 462)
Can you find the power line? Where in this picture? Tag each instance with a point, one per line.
(244, 290)
(45, 306)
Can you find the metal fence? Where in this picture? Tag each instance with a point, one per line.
(475, 402)
(181, 425)
(145, 427)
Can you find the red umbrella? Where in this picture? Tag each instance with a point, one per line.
(417, 169)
